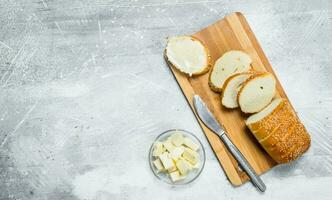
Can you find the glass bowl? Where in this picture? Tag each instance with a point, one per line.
(192, 175)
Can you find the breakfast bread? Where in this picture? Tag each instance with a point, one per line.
(285, 145)
(262, 124)
(188, 55)
(279, 131)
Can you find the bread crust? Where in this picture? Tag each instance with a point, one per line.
(286, 148)
(213, 87)
(206, 68)
(289, 138)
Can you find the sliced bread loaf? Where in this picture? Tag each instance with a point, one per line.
(256, 93)
(187, 54)
(279, 131)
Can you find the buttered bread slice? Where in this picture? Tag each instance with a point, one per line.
(257, 92)
(187, 54)
(228, 64)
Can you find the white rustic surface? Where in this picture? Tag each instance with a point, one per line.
(84, 90)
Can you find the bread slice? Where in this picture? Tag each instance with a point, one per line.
(228, 64)
(187, 54)
(279, 131)
(232, 87)
(256, 93)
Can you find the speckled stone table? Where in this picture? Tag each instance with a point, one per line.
(84, 90)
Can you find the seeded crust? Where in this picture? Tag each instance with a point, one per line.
(288, 139)
(206, 69)
(264, 127)
(287, 145)
(275, 146)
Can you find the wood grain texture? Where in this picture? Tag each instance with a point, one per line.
(230, 33)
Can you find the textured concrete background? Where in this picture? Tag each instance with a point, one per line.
(84, 90)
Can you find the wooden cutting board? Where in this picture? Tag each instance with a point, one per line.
(230, 33)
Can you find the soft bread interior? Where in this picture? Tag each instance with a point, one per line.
(187, 54)
(228, 64)
(263, 113)
(231, 89)
(257, 93)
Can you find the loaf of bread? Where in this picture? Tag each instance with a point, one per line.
(279, 131)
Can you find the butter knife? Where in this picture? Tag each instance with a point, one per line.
(209, 120)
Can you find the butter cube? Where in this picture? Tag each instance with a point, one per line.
(177, 139)
(183, 166)
(158, 149)
(192, 145)
(168, 145)
(172, 169)
(191, 156)
(175, 176)
(176, 153)
(159, 166)
(167, 162)
(196, 166)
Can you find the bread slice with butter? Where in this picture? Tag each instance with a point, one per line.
(257, 92)
(188, 55)
(228, 64)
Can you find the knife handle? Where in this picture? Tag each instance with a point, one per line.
(255, 179)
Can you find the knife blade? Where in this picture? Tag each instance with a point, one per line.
(210, 121)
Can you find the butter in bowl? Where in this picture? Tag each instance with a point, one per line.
(177, 157)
